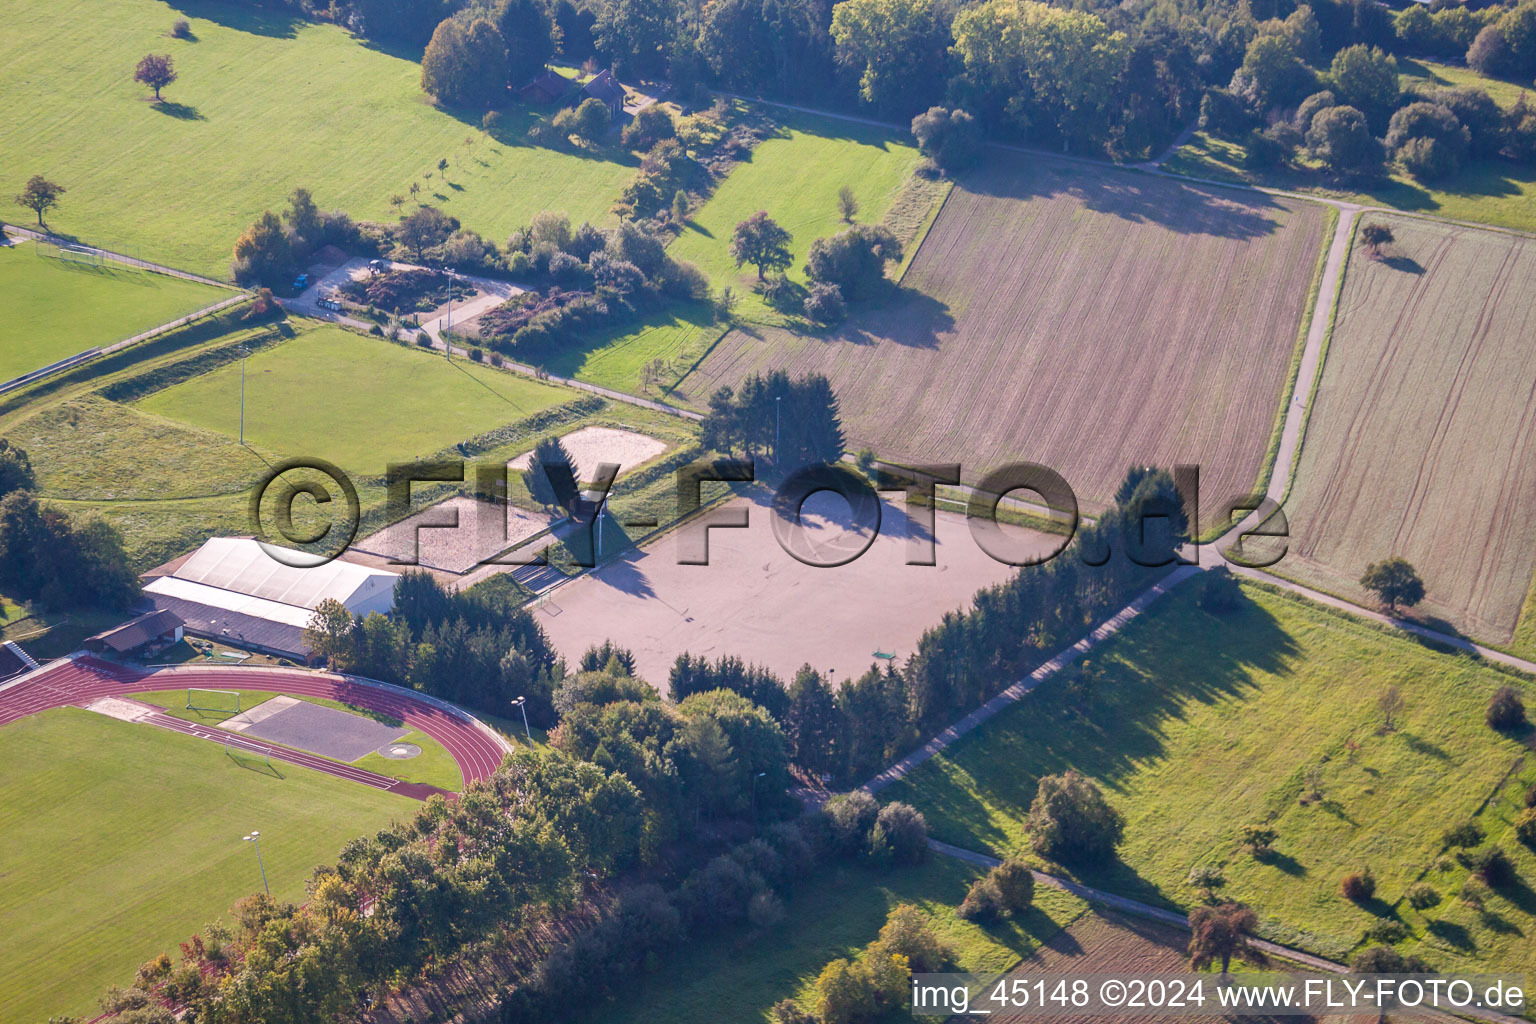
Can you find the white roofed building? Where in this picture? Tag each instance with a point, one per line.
(230, 589)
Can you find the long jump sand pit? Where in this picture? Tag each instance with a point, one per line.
(420, 539)
(590, 446)
(757, 602)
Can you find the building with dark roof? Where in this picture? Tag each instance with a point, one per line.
(161, 627)
(547, 87)
(607, 88)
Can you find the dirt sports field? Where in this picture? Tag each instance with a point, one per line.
(1086, 319)
(1422, 438)
(755, 601)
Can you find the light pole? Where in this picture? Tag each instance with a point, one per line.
(777, 409)
(255, 837)
(522, 702)
(243, 353)
(448, 322)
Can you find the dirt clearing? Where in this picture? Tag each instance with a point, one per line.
(757, 602)
(458, 548)
(592, 445)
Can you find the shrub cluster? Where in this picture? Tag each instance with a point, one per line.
(1005, 891)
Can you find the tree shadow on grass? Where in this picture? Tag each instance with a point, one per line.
(180, 111)
(260, 21)
(1454, 935)
(1173, 655)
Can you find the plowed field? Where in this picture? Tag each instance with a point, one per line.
(1085, 318)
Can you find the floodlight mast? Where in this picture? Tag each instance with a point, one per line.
(255, 837)
(522, 702)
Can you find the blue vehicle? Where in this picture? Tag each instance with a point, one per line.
(301, 282)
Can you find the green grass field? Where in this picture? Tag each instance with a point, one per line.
(795, 176)
(434, 766)
(264, 103)
(119, 841)
(54, 310)
(1207, 724)
(358, 402)
(834, 915)
(1430, 73)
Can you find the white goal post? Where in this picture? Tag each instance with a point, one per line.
(243, 752)
(200, 699)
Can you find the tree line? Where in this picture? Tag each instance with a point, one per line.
(1294, 95)
(48, 556)
(854, 729)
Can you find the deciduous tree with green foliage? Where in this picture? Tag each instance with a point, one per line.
(1042, 63)
(950, 138)
(1365, 77)
(1395, 582)
(528, 32)
(854, 259)
(466, 64)
(760, 241)
(155, 70)
(40, 195)
(1071, 822)
(1342, 140)
(898, 47)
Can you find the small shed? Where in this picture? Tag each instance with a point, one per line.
(151, 630)
(546, 87)
(607, 88)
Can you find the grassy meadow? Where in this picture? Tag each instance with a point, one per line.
(168, 469)
(434, 766)
(120, 841)
(265, 103)
(834, 914)
(1205, 724)
(356, 401)
(795, 175)
(54, 310)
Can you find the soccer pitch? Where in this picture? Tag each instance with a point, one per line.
(119, 841)
(54, 309)
(358, 402)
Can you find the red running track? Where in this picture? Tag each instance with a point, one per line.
(77, 683)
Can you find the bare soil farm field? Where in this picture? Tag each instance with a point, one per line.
(757, 602)
(1422, 437)
(1103, 942)
(1080, 317)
